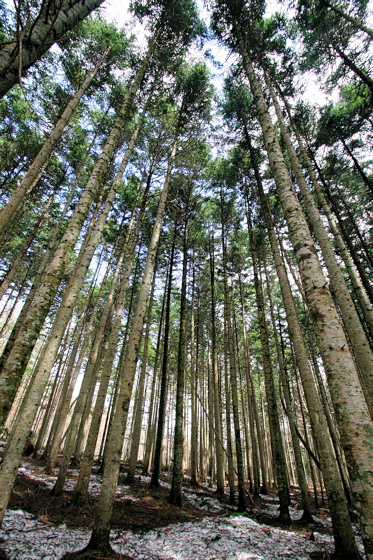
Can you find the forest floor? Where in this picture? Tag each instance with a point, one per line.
(38, 526)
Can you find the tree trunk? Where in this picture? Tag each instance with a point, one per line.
(275, 432)
(101, 530)
(216, 383)
(367, 182)
(333, 345)
(136, 432)
(164, 373)
(367, 80)
(154, 397)
(176, 492)
(40, 162)
(355, 331)
(253, 412)
(228, 417)
(290, 413)
(52, 23)
(355, 22)
(193, 389)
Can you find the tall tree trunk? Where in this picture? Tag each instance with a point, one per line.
(355, 331)
(176, 492)
(255, 444)
(368, 183)
(164, 373)
(53, 21)
(193, 388)
(352, 412)
(136, 432)
(231, 347)
(290, 412)
(355, 22)
(216, 382)
(101, 530)
(278, 453)
(154, 397)
(41, 160)
(367, 80)
(232, 497)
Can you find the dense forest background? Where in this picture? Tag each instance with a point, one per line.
(186, 249)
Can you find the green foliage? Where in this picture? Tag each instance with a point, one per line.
(344, 119)
(82, 50)
(262, 35)
(178, 19)
(194, 87)
(5, 25)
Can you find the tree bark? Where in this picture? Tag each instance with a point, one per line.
(52, 23)
(101, 530)
(350, 405)
(176, 492)
(40, 162)
(355, 331)
(164, 373)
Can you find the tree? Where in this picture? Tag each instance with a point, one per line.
(333, 345)
(36, 33)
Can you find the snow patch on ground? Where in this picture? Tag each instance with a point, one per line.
(27, 538)
(233, 538)
(230, 537)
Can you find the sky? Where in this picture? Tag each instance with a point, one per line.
(117, 11)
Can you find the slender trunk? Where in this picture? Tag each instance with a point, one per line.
(176, 492)
(355, 22)
(216, 384)
(52, 23)
(233, 381)
(352, 66)
(232, 498)
(355, 331)
(154, 397)
(275, 432)
(290, 413)
(136, 432)
(193, 383)
(40, 162)
(101, 530)
(164, 374)
(342, 529)
(368, 183)
(252, 406)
